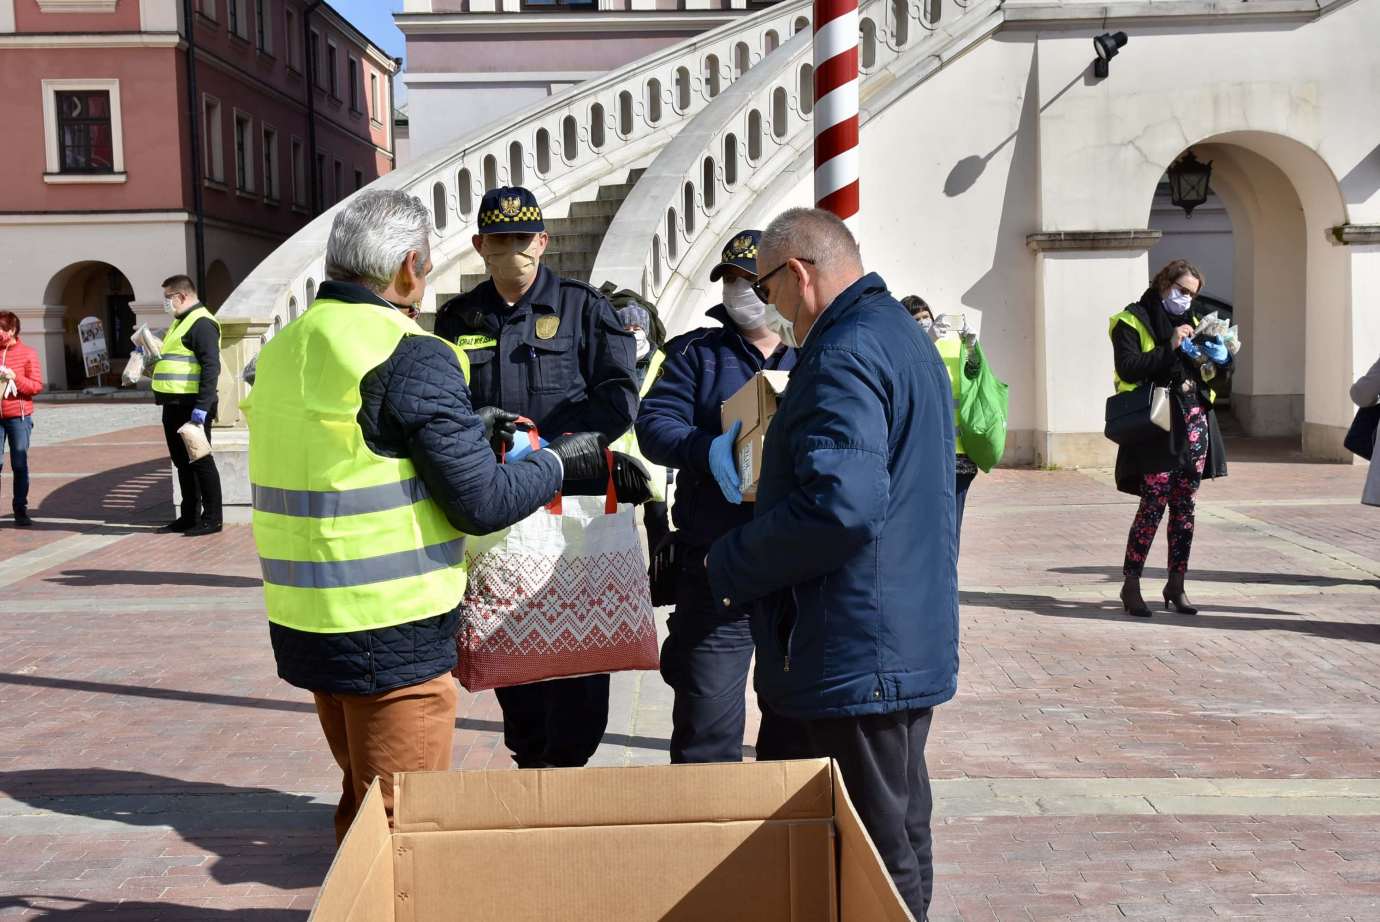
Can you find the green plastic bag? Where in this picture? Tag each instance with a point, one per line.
(982, 408)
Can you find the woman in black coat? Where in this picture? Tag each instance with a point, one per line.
(1166, 471)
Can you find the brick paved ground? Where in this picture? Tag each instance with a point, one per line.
(152, 766)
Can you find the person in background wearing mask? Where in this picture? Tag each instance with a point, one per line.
(184, 385)
(708, 651)
(552, 350)
(1152, 344)
(949, 345)
(21, 379)
(649, 334)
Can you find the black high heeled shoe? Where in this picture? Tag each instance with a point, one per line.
(1175, 599)
(1131, 599)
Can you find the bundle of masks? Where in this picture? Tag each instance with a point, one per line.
(1210, 328)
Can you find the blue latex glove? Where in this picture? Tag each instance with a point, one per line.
(1217, 351)
(723, 468)
(522, 447)
(1188, 348)
(199, 417)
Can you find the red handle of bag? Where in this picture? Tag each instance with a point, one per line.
(554, 507)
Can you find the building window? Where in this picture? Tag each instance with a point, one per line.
(237, 18)
(270, 146)
(212, 139)
(314, 57)
(207, 8)
(333, 69)
(85, 139)
(244, 153)
(263, 26)
(337, 184)
(374, 99)
(294, 46)
(299, 175)
(359, 180)
(353, 73)
(320, 181)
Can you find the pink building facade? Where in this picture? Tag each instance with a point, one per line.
(122, 157)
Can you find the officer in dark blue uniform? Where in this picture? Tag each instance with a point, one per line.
(553, 350)
(709, 649)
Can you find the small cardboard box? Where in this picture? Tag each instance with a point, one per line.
(750, 842)
(755, 404)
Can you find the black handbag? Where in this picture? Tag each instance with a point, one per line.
(1137, 416)
(1360, 438)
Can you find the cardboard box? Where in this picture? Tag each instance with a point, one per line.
(754, 404)
(758, 841)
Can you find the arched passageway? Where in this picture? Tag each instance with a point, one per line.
(90, 289)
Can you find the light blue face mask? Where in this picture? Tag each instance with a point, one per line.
(1178, 302)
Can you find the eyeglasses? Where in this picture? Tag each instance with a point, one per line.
(759, 287)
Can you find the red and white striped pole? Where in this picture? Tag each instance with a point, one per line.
(836, 107)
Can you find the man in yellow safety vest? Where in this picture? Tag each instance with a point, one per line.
(369, 467)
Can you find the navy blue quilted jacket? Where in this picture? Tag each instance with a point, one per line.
(416, 405)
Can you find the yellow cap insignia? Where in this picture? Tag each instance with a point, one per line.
(510, 205)
(547, 325)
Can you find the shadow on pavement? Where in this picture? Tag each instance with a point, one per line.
(261, 836)
(133, 493)
(1217, 617)
(272, 704)
(137, 911)
(1113, 575)
(96, 578)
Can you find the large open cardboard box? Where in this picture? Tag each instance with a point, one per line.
(763, 841)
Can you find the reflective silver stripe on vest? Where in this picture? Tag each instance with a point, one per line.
(165, 376)
(320, 504)
(177, 358)
(338, 574)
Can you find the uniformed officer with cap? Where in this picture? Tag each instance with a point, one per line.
(708, 651)
(552, 350)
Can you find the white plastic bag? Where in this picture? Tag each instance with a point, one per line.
(134, 368)
(151, 344)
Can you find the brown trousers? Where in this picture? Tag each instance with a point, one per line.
(372, 736)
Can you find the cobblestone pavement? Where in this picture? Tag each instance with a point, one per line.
(152, 766)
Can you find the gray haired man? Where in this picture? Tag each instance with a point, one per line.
(369, 466)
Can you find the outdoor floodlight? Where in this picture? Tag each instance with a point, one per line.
(1188, 182)
(1107, 45)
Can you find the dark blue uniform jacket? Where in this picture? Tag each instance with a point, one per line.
(579, 378)
(415, 405)
(679, 417)
(850, 556)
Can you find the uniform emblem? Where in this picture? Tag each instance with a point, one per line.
(547, 325)
(741, 247)
(510, 205)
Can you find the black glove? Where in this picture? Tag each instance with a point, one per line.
(499, 427)
(631, 481)
(582, 455)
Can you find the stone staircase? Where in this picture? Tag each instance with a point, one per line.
(574, 239)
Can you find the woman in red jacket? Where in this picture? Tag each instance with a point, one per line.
(21, 377)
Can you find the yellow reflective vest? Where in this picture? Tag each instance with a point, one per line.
(348, 540)
(177, 370)
(1147, 344)
(951, 351)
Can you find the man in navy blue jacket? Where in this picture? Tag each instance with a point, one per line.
(708, 649)
(850, 558)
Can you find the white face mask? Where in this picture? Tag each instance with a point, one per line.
(925, 323)
(1178, 301)
(168, 306)
(642, 344)
(780, 326)
(743, 305)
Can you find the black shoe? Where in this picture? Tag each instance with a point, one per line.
(1131, 599)
(178, 525)
(205, 528)
(1175, 599)
(22, 520)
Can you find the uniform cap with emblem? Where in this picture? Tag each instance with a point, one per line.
(739, 253)
(510, 210)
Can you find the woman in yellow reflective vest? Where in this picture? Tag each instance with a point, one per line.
(1153, 345)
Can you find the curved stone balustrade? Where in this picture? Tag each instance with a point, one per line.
(690, 197)
(556, 148)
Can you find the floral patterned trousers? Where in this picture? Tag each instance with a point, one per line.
(1177, 490)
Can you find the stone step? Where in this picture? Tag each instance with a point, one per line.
(599, 208)
(574, 243)
(596, 225)
(614, 192)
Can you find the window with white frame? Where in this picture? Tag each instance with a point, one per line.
(359, 180)
(212, 139)
(333, 69)
(244, 153)
(314, 58)
(374, 112)
(299, 174)
(352, 71)
(237, 17)
(82, 138)
(269, 142)
(263, 25)
(292, 40)
(206, 8)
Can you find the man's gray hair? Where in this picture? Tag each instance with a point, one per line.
(372, 235)
(811, 233)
